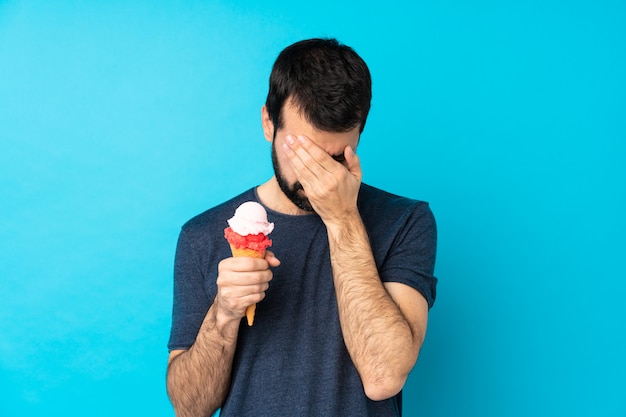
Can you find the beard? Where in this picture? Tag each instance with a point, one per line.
(291, 191)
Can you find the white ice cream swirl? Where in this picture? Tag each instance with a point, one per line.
(250, 219)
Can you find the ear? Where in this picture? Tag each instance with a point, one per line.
(268, 125)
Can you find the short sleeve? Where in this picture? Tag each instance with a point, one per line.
(190, 302)
(411, 257)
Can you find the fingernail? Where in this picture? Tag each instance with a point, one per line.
(289, 139)
(301, 139)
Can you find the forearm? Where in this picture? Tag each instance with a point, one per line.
(198, 379)
(377, 335)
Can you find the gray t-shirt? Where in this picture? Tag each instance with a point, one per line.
(293, 361)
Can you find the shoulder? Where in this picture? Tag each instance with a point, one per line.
(393, 221)
(380, 206)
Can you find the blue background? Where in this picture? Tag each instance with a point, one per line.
(121, 120)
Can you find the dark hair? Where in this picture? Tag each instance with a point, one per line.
(328, 82)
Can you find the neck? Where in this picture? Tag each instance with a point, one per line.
(273, 197)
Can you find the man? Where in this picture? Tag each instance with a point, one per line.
(342, 316)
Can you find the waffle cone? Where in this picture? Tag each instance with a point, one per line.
(239, 252)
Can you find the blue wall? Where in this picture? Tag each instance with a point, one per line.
(121, 120)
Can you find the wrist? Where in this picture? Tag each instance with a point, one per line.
(344, 225)
(224, 323)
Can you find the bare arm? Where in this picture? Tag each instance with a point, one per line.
(383, 325)
(198, 378)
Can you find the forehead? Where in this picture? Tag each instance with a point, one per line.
(294, 123)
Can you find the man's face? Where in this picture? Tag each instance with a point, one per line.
(296, 125)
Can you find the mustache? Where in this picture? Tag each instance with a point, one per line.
(297, 186)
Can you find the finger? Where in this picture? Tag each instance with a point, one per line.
(310, 162)
(271, 259)
(246, 290)
(242, 264)
(236, 301)
(310, 152)
(312, 156)
(250, 289)
(240, 284)
(353, 163)
(245, 279)
(252, 299)
(305, 171)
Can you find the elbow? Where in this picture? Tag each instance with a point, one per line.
(384, 382)
(384, 388)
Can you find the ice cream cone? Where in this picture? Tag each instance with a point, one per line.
(239, 252)
(247, 236)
